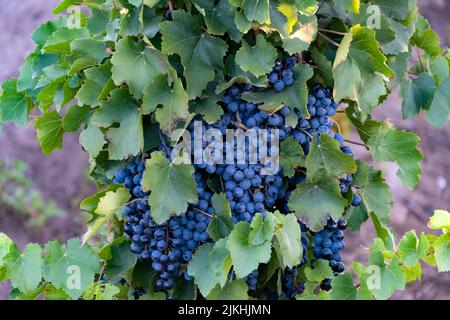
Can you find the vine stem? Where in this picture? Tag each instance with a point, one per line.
(355, 143)
(327, 39)
(205, 213)
(333, 32)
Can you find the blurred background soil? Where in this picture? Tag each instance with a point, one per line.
(62, 177)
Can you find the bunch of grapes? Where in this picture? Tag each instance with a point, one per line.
(169, 247)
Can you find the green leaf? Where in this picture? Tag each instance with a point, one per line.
(387, 144)
(14, 106)
(321, 271)
(92, 140)
(325, 158)
(259, 59)
(417, 94)
(209, 108)
(425, 38)
(250, 245)
(440, 220)
(210, 266)
(391, 277)
(343, 288)
(314, 202)
(136, 65)
(438, 113)
(172, 185)
(173, 99)
(411, 248)
(221, 223)
(349, 5)
(119, 259)
(5, 246)
(128, 138)
(295, 96)
(75, 116)
(112, 201)
(256, 10)
(71, 268)
(50, 131)
(25, 269)
(233, 290)
(374, 192)
(89, 48)
(200, 53)
(97, 85)
(359, 68)
(304, 33)
(288, 244)
(291, 156)
(59, 41)
(398, 9)
(442, 252)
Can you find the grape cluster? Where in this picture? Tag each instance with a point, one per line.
(282, 75)
(169, 246)
(329, 242)
(290, 285)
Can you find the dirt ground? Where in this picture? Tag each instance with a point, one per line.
(61, 176)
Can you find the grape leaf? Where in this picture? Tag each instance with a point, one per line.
(391, 277)
(59, 41)
(425, 38)
(112, 201)
(438, 113)
(215, 258)
(374, 192)
(5, 246)
(219, 18)
(295, 96)
(89, 48)
(439, 220)
(209, 108)
(349, 5)
(387, 144)
(71, 268)
(417, 94)
(25, 269)
(92, 140)
(287, 244)
(128, 138)
(173, 187)
(50, 131)
(411, 248)
(250, 245)
(173, 99)
(256, 10)
(291, 156)
(343, 288)
(200, 53)
(233, 290)
(221, 223)
(359, 68)
(259, 59)
(442, 252)
(313, 202)
(97, 85)
(304, 33)
(136, 64)
(321, 271)
(75, 116)
(119, 259)
(14, 105)
(398, 9)
(326, 159)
